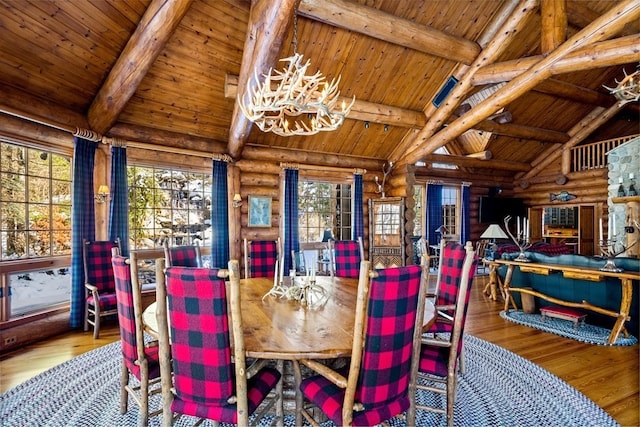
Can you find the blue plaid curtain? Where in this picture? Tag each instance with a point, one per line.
(83, 223)
(358, 212)
(291, 235)
(119, 213)
(434, 212)
(465, 233)
(219, 216)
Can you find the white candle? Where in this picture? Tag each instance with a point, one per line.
(275, 276)
(609, 228)
(282, 270)
(601, 235)
(518, 227)
(613, 230)
(526, 229)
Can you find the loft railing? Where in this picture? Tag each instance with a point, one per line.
(593, 156)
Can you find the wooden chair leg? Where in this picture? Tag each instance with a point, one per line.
(124, 394)
(86, 317)
(96, 323)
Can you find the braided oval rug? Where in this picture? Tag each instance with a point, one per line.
(498, 388)
(584, 333)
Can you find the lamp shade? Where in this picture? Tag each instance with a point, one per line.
(494, 232)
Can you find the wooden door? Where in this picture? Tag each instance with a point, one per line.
(386, 232)
(586, 219)
(535, 224)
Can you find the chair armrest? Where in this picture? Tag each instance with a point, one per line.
(91, 287)
(326, 372)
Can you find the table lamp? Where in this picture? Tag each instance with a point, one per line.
(493, 232)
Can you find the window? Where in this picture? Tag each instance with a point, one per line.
(35, 221)
(450, 210)
(36, 203)
(324, 206)
(168, 205)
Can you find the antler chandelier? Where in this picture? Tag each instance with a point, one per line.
(628, 89)
(289, 102)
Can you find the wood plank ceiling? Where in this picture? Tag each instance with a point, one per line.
(168, 72)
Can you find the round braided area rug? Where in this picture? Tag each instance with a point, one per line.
(498, 388)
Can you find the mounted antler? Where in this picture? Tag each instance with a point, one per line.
(386, 169)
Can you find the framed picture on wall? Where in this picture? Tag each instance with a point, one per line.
(259, 211)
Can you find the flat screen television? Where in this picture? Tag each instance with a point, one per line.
(493, 210)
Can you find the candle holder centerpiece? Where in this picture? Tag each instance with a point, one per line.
(613, 246)
(303, 289)
(521, 239)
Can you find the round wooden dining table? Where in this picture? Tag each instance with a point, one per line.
(277, 328)
(282, 329)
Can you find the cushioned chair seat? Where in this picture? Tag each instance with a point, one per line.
(258, 388)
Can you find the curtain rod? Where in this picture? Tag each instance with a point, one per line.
(356, 171)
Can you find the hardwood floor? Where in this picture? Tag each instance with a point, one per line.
(607, 375)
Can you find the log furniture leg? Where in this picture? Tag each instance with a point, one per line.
(507, 293)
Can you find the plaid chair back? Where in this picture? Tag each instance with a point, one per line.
(451, 270)
(184, 256)
(97, 265)
(385, 372)
(452, 260)
(435, 360)
(126, 313)
(200, 346)
(347, 256)
(263, 255)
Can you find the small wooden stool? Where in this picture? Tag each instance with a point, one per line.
(565, 313)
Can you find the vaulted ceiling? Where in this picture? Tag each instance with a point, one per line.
(169, 72)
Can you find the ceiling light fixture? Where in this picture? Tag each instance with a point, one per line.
(289, 102)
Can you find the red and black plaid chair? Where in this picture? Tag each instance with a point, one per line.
(206, 384)
(347, 257)
(375, 387)
(441, 350)
(100, 288)
(138, 359)
(260, 257)
(182, 256)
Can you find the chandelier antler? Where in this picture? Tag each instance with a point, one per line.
(628, 89)
(289, 102)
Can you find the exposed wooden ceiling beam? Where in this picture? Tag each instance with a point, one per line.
(605, 26)
(511, 23)
(152, 33)
(573, 92)
(384, 26)
(618, 51)
(269, 22)
(465, 161)
(402, 117)
(523, 132)
(166, 138)
(554, 24)
(361, 110)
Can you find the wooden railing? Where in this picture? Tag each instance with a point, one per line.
(593, 156)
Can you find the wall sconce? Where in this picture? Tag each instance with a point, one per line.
(237, 200)
(103, 194)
